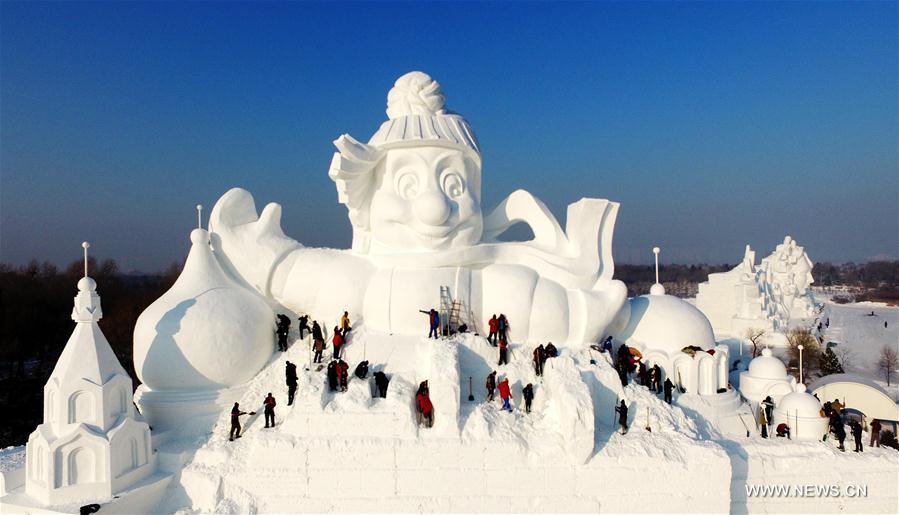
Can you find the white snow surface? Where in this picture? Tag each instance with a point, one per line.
(339, 452)
(863, 336)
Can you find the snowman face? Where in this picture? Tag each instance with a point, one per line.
(426, 199)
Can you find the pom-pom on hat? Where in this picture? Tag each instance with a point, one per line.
(415, 108)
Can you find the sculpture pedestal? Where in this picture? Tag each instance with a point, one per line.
(188, 411)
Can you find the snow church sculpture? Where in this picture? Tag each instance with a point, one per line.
(413, 195)
(765, 296)
(92, 444)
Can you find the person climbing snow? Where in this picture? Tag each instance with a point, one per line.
(551, 351)
(433, 321)
(875, 433)
(528, 394)
(345, 324)
(235, 422)
(425, 408)
(318, 347)
(607, 345)
(290, 372)
(621, 409)
(424, 388)
(622, 363)
(657, 378)
(304, 325)
(343, 373)
(337, 341)
(332, 375)
(491, 385)
(539, 359)
(505, 393)
(361, 370)
(839, 431)
(283, 331)
(669, 387)
(503, 351)
(493, 324)
(282, 338)
(769, 408)
(381, 381)
(502, 327)
(856, 434)
(269, 404)
(319, 341)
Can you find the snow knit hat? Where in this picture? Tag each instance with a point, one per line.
(415, 108)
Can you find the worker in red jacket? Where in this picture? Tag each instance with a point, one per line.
(494, 330)
(343, 372)
(425, 408)
(505, 393)
(337, 340)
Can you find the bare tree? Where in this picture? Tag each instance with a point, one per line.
(888, 361)
(846, 357)
(755, 337)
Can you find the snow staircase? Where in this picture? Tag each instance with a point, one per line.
(349, 452)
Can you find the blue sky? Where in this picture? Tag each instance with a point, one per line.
(714, 124)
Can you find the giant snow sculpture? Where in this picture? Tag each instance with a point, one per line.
(413, 193)
(765, 296)
(92, 444)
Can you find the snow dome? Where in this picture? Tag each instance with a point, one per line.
(667, 323)
(206, 332)
(766, 376)
(767, 366)
(802, 412)
(661, 326)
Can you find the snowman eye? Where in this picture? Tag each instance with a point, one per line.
(452, 184)
(406, 184)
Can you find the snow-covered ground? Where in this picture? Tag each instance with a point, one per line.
(863, 336)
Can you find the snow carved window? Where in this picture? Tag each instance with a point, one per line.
(81, 407)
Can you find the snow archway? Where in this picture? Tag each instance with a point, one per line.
(81, 470)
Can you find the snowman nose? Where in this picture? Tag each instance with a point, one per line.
(431, 208)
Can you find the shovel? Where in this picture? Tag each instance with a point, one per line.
(470, 395)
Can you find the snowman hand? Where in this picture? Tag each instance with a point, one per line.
(249, 245)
